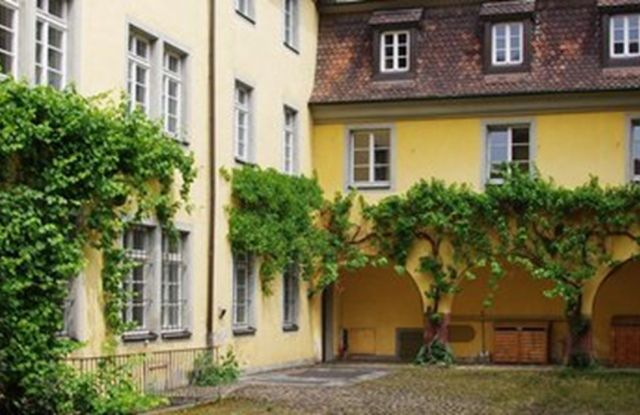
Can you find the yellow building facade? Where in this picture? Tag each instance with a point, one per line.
(426, 92)
(366, 95)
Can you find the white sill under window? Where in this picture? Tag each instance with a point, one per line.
(370, 185)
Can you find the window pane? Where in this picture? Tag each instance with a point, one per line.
(6, 63)
(381, 174)
(520, 153)
(520, 135)
(361, 174)
(498, 146)
(6, 40)
(56, 8)
(55, 37)
(382, 139)
(361, 140)
(382, 156)
(361, 157)
(6, 17)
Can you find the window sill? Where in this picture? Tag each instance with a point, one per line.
(246, 331)
(288, 328)
(140, 336)
(243, 162)
(292, 48)
(246, 17)
(507, 69)
(176, 335)
(370, 186)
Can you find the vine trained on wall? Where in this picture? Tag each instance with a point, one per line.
(73, 172)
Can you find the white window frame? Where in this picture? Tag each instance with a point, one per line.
(395, 57)
(291, 11)
(510, 145)
(508, 46)
(135, 62)
(634, 144)
(181, 259)
(248, 270)
(243, 144)
(48, 21)
(290, 297)
(145, 259)
(245, 8)
(626, 41)
(290, 141)
(371, 183)
(169, 76)
(15, 33)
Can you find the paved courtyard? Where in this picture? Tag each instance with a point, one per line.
(400, 389)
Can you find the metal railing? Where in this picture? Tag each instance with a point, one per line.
(155, 372)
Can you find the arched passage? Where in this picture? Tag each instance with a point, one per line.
(379, 314)
(519, 310)
(616, 317)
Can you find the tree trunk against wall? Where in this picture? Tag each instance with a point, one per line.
(579, 344)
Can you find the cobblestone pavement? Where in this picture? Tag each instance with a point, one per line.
(398, 389)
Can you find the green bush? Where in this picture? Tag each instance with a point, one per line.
(208, 372)
(435, 353)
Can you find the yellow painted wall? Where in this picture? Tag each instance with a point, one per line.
(372, 304)
(98, 64)
(517, 298)
(255, 54)
(569, 146)
(619, 295)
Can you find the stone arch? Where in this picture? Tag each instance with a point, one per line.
(377, 312)
(616, 300)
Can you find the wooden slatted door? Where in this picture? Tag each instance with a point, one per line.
(526, 343)
(626, 341)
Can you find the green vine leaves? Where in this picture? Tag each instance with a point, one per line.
(73, 172)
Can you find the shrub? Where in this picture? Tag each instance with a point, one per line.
(208, 372)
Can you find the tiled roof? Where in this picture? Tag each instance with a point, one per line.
(395, 16)
(507, 7)
(614, 3)
(566, 56)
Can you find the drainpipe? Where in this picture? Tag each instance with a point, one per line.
(212, 171)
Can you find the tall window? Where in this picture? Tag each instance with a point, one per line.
(243, 134)
(370, 153)
(635, 150)
(507, 43)
(8, 37)
(291, 13)
(138, 244)
(174, 299)
(245, 8)
(242, 292)
(172, 93)
(625, 36)
(394, 51)
(290, 140)
(506, 145)
(51, 33)
(290, 297)
(139, 72)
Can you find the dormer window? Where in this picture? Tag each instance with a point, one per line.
(624, 36)
(394, 51)
(508, 33)
(507, 44)
(395, 42)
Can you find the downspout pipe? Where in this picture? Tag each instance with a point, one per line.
(212, 171)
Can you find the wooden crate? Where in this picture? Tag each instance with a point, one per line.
(521, 342)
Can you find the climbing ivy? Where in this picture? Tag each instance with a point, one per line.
(563, 236)
(558, 234)
(74, 171)
(284, 219)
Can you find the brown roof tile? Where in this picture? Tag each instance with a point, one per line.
(566, 56)
(500, 8)
(382, 17)
(616, 3)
